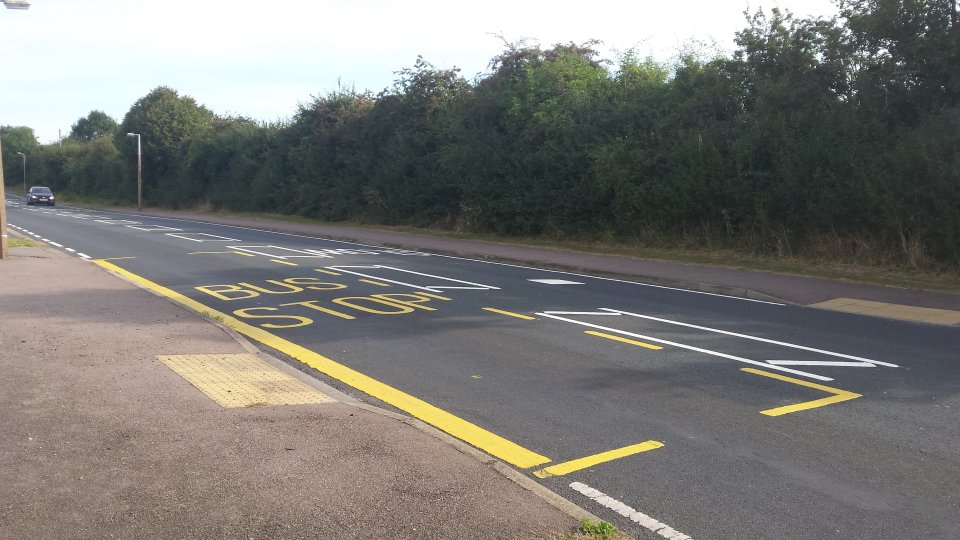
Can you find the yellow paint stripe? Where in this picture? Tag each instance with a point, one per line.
(509, 314)
(490, 443)
(624, 340)
(838, 394)
(330, 272)
(288, 263)
(568, 467)
(431, 295)
(371, 282)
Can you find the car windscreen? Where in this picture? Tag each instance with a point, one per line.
(41, 191)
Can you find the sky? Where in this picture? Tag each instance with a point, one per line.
(61, 59)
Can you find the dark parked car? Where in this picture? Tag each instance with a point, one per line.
(40, 195)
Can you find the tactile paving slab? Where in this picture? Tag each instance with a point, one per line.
(242, 380)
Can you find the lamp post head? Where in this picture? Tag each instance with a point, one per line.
(132, 134)
(21, 154)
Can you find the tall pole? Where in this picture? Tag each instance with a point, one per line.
(139, 172)
(24, 156)
(139, 176)
(3, 214)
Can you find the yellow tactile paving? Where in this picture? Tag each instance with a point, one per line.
(242, 380)
(893, 311)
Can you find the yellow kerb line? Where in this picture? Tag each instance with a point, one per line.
(568, 467)
(322, 271)
(490, 443)
(509, 314)
(371, 282)
(278, 261)
(837, 397)
(624, 340)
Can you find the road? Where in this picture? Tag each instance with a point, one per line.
(696, 414)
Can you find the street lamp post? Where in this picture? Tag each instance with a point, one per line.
(24, 156)
(139, 172)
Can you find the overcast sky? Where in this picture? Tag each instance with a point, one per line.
(63, 58)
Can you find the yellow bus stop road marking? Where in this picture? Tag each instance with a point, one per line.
(947, 317)
(623, 340)
(509, 314)
(837, 397)
(242, 380)
(568, 467)
(490, 443)
(288, 263)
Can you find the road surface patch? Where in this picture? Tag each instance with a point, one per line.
(468, 432)
(242, 380)
(837, 397)
(568, 467)
(510, 314)
(946, 317)
(635, 516)
(624, 340)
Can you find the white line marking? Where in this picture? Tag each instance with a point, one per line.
(294, 235)
(432, 288)
(635, 516)
(206, 237)
(56, 244)
(554, 315)
(745, 336)
(555, 282)
(84, 255)
(45, 239)
(820, 363)
(71, 250)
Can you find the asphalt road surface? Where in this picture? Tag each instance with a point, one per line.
(695, 414)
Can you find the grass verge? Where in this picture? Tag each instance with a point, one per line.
(15, 241)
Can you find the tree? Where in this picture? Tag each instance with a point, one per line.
(16, 139)
(93, 126)
(166, 122)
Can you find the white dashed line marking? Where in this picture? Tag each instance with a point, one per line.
(635, 516)
(56, 244)
(555, 281)
(71, 250)
(84, 255)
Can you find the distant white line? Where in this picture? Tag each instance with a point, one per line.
(56, 244)
(635, 516)
(71, 250)
(46, 240)
(827, 363)
(755, 338)
(468, 259)
(84, 255)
